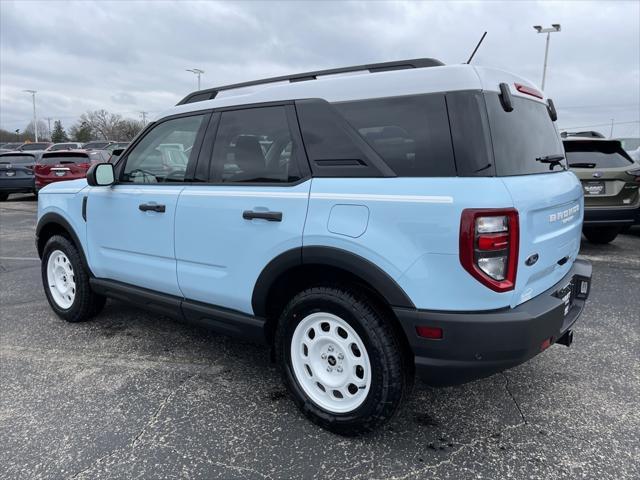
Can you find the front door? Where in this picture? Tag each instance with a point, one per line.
(130, 225)
(252, 208)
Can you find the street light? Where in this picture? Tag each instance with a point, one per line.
(555, 27)
(35, 120)
(196, 71)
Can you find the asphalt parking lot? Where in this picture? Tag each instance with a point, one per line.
(134, 395)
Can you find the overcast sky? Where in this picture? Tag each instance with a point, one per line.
(131, 56)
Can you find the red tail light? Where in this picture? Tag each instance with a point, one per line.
(528, 90)
(84, 166)
(489, 241)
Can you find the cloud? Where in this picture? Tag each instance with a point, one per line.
(132, 56)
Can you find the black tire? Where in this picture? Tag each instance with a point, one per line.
(601, 235)
(86, 303)
(3, 197)
(389, 382)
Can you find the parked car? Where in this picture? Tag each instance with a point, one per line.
(610, 180)
(9, 147)
(99, 145)
(34, 146)
(411, 217)
(16, 173)
(64, 146)
(58, 166)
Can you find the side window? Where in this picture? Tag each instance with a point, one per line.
(410, 133)
(163, 154)
(255, 145)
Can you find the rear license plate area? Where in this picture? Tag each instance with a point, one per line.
(566, 294)
(593, 188)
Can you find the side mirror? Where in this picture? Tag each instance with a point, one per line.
(101, 175)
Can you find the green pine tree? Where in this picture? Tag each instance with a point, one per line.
(58, 135)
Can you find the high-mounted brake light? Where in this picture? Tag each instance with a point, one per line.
(528, 90)
(489, 241)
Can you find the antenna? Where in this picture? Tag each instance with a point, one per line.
(477, 46)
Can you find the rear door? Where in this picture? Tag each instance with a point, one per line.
(547, 196)
(250, 208)
(130, 226)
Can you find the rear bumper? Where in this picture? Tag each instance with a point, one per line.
(611, 217)
(479, 344)
(17, 185)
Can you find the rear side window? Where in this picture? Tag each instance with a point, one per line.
(29, 147)
(595, 154)
(410, 133)
(521, 136)
(255, 145)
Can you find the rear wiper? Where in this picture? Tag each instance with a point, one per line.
(552, 160)
(583, 165)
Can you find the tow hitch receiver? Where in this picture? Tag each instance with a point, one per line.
(566, 339)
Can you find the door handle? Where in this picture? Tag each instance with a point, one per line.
(270, 216)
(151, 207)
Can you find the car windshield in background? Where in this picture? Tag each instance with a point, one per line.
(95, 145)
(63, 146)
(15, 159)
(30, 147)
(596, 154)
(116, 146)
(522, 136)
(630, 144)
(10, 146)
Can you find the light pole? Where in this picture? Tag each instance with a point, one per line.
(555, 27)
(35, 119)
(196, 71)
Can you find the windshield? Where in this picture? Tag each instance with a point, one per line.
(17, 159)
(596, 154)
(630, 144)
(63, 146)
(29, 147)
(523, 135)
(96, 145)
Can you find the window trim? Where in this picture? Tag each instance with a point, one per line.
(206, 152)
(197, 145)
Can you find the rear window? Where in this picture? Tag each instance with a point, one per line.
(410, 133)
(521, 136)
(596, 154)
(15, 159)
(63, 146)
(56, 159)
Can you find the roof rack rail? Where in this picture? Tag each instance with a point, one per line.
(587, 133)
(210, 93)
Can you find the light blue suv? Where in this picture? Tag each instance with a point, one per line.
(369, 223)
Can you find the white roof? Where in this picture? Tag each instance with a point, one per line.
(364, 85)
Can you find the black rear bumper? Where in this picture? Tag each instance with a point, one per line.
(611, 217)
(479, 344)
(17, 185)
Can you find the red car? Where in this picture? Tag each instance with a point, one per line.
(66, 165)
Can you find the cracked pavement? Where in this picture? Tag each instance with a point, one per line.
(134, 395)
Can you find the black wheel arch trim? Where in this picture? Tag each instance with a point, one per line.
(53, 218)
(359, 266)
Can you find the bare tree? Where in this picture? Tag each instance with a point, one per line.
(43, 132)
(128, 128)
(103, 124)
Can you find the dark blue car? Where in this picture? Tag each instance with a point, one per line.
(16, 173)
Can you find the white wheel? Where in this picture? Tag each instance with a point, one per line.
(61, 279)
(330, 362)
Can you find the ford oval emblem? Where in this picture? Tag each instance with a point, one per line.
(597, 175)
(531, 260)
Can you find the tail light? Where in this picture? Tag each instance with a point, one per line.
(489, 246)
(84, 165)
(635, 173)
(528, 90)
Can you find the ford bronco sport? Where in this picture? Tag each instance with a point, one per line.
(408, 218)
